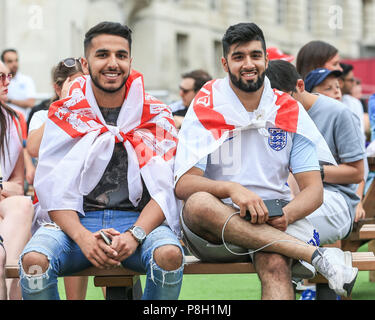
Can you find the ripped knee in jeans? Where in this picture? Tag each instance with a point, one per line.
(167, 265)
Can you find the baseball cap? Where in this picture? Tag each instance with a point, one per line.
(276, 54)
(317, 76)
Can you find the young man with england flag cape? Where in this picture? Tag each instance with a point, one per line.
(106, 165)
(237, 145)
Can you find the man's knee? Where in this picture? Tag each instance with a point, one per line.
(20, 208)
(35, 263)
(196, 208)
(273, 266)
(168, 257)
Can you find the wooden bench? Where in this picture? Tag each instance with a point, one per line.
(367, 231)
(124, 284)
(361, 232)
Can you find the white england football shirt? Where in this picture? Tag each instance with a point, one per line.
(261, 164)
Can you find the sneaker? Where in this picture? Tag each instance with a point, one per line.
(332, 263)
(308, 294)
(303, 270)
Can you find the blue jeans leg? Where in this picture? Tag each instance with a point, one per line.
(59, 249)
(160, 284)
(65, 257)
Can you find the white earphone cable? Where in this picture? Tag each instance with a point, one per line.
(251, 252)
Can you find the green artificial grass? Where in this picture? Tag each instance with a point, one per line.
(231, 287)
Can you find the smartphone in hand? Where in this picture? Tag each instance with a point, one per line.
(275, 208)
(107, 240)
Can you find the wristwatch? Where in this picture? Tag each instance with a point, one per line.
(138, 233)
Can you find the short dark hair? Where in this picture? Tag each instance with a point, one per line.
(200, 77)
(346, 68)
(5, 52)
(240, 33)
(314, 55)
(282, 75)
(112, 28)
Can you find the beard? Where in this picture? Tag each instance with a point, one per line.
(106, 90)
(247, 86)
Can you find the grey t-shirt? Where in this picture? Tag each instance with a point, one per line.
(112, 192)
(341, 130)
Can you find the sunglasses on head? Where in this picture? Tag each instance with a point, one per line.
(4, 77)
(69, 62)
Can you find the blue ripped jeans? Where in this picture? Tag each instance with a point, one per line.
(66, 258)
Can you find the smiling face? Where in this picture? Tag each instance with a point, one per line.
(246, 64)
(4, 84)
(109, 63)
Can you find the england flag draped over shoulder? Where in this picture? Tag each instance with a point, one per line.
(216, 113)
(77, 146)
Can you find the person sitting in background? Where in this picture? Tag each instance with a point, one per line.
(340, 128)
(65, 72)
(324, 81)
(22, 91)
(21, 98)
(16, 211)
(317, 54)
(347, 82)
(190, 84)
(358, 94)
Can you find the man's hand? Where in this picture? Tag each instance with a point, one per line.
(280, 223)
(96, 251)
(360, 213)
(248, 200)
(11, 189)
(125, 245)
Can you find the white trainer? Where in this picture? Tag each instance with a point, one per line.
(303, 270)
(335, 265)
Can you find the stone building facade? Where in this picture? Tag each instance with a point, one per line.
(175, 36)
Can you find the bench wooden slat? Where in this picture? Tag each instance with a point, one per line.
(367, 231)
(361, 260)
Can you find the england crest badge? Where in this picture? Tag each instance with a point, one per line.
(277, 139)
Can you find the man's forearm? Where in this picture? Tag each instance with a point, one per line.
(25, 104)
(69, 222)
(343, 173)
(189, 184)
(34, 140)
(151, 217)
(306, 202)
(308, 199)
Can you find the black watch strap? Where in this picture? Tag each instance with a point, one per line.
(322, 172)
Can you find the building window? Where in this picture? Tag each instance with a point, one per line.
(182, 51)
(218, 54)
(310, 15)
(248, 9)
(214, 4)
(281, 11)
